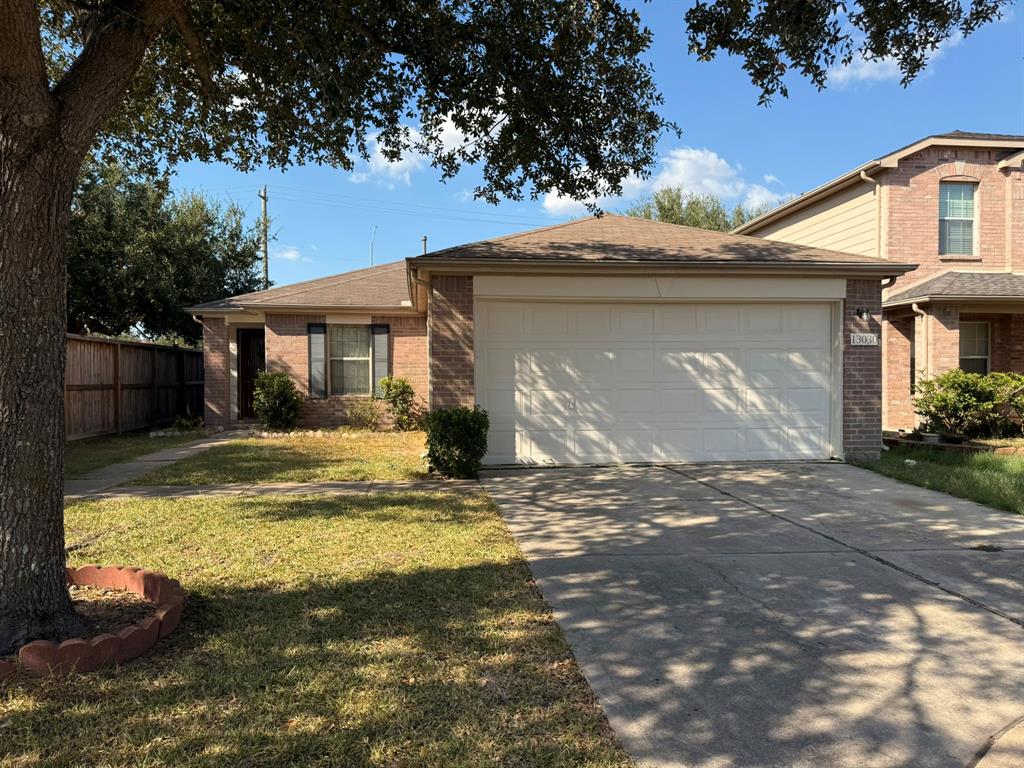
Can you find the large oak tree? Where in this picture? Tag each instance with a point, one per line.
(547, 94)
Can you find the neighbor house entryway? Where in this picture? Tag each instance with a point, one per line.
(251, 363)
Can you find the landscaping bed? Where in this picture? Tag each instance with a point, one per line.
(371, 630)
(341, 454)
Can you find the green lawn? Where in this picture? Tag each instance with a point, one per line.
(343, 454)
(83, 456)
(380, 630)
(988, 478)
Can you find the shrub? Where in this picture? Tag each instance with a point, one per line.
(400, 400)
(276, 401)
(957, 403)
(364, 414)
(1009, 402)
(457, 440)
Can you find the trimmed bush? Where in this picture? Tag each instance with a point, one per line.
(1009, 402)
(364, 414)
(457, 440)
(276, 401)
(400, 400)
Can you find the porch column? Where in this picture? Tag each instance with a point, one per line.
(1016, 343)
(943, 340)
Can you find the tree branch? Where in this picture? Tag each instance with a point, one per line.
(23, 83)
(98, 80)
(194, 44)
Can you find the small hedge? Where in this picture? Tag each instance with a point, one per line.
(276, 401)
(400, 400)
(456, 440)
(971, 405)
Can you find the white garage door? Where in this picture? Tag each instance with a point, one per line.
(577, 383)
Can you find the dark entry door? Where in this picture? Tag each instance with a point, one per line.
(251, 362)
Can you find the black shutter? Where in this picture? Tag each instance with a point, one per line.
(381, 359)
(317, 360)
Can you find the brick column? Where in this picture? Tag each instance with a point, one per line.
(451, 341)
(943, 335)
(898, 408)
(1016, 344)
(862, 372)
(216, 372)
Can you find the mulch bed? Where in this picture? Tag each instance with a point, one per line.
(108, 611)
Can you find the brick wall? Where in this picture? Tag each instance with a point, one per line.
(1016, 355)
(287, 348)
(912, 204)
(862, 372)
(943, 335)
(451, 341)
(897, 402)
(217, 372)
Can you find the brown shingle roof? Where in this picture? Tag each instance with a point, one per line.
(625, 239)
(978, 285)
(384, 286)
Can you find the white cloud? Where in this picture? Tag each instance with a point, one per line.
(696, 170)
(862, 70)
(757, 197)
(289, 253)
(386, 171)
(770, 179)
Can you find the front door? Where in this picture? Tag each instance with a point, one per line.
(251, 363)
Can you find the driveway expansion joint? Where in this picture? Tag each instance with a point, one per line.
(851, 547)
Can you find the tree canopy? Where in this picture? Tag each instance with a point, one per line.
(705, 211)
(772, 37)
(137, 256)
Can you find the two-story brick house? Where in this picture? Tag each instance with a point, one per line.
(953, 204)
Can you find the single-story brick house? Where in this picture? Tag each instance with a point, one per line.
(607, 339)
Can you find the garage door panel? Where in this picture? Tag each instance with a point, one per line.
(586, 383)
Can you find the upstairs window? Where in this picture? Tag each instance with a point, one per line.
(974, 348)
(956, 218)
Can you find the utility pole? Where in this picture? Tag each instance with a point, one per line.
(266, 237)
(371, 243)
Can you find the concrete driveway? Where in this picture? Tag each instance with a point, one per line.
(782, 614)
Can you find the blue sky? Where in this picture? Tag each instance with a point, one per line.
(323, 218)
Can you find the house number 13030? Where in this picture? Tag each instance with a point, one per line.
(864, 339)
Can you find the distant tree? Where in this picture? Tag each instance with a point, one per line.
(702, 210)
(137, 256)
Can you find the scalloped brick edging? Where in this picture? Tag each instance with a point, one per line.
(80, 655)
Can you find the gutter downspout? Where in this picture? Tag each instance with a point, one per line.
(924, 321)
(414, 278)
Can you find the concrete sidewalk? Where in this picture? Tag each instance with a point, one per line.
(114, 474)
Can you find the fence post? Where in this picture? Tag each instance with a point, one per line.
(153, 390)
(117, 387)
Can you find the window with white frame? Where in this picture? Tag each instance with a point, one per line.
(350, 359)
(974, 347)
(956, 218)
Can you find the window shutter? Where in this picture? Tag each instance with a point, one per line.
(381, 359)
(317, 333)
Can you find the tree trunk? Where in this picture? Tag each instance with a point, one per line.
(37, 180)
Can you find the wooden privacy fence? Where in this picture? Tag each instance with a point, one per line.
(118, 386)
